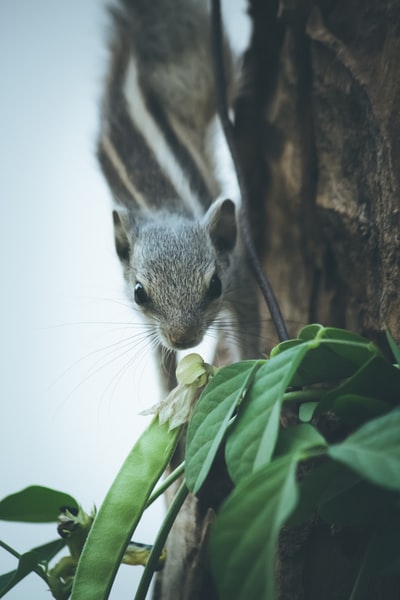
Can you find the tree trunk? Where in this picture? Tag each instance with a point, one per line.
(332, 218)
(318, 130)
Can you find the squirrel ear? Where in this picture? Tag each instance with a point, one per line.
(122, 244)
(221, 223)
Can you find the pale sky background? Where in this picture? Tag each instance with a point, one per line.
(72, 384)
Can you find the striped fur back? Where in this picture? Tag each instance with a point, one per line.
(158, 112)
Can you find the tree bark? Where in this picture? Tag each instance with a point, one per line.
(318, 130)
(330, 241)
(332, 209)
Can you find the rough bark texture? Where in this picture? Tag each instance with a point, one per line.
(318, 129)
(331, 123)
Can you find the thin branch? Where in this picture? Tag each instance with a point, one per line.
(160, 540)
(37, 569)
(9, 549)
(220, 83)
(176, 473)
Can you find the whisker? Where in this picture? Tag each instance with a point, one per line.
(120, 301)
(88, 355)
(80, 323)
(118, 376)
(115, 352)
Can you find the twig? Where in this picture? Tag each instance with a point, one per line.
(160, 540)
(220, 83)
(180, 469)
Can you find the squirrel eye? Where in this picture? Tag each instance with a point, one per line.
(140, 294)
(215, 287)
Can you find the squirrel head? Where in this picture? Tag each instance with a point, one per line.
(177, 270)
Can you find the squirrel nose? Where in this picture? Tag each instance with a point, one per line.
(184, 339)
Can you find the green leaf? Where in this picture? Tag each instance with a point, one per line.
(332, 354)
(356, 410)
(211, 418)
(341, 335)
(310, 486)
(284, 347)
(27, 563)
(46, 552)
(309, 332)
(244, 538)
(121, 510)
(295, 440)
(252, 438)
(373, 451)
(349, 500)
(377, 378)
(394, 347)
(5, 580)
(324, 354)
(35, 504)
(331, 360)
(306, 411)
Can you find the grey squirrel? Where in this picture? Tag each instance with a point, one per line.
(177, 240)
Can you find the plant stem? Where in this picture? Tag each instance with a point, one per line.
(304, 395)
(166, 483)
(10, 550)
(160, 541)
(38, 570)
